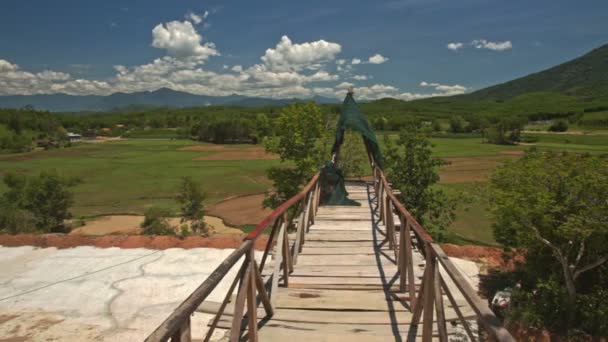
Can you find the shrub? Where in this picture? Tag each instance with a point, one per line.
(156, 222)
(559, 126)
(190, 199)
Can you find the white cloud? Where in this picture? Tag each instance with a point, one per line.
(182, 41)
(360, 77)
(197, 18)
(237, 68)
(310, 55)
(355, 61)
(496, 46)
(340, 61)
(445, 90)
(377, 59)
(455, 46)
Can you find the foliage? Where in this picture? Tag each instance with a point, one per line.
(505, 130)
(302, 142)
(559, 126)
(36, 203)
(457, 124)
(190, 199)
(156, 222)
(353, 157)
(412, 169)
(554, 206)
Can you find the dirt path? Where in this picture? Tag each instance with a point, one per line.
(130, 225)
(241, 210)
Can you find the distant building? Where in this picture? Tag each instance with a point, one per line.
(74, 137)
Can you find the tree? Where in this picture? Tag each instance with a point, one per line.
(412, 169)
(353, 157)
(190, 199)
(559, 126)
(45, 201)
(505, 130)
(300, 140)
(555, 206)
(457, 124)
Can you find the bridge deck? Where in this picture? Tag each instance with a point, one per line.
(344, 286)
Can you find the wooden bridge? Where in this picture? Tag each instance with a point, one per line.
(340, 273)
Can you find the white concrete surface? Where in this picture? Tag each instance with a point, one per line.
(113, 294)
(88, 293)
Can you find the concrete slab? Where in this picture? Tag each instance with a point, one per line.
(94, 294)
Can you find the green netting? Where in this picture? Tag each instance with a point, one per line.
(352, 118)
(333, 191)
(332, 180)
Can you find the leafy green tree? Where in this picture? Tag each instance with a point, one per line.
(457, 124)
(42, 201)
(190, 199)
(302, 143)
(556, 207)
(156, 222)
(505, 130)
(414, 171)
(353, 157)
(559, 126)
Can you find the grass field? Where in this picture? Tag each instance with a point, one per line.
(128, 176)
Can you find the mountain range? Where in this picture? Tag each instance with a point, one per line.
(584, 78)
(163, 97)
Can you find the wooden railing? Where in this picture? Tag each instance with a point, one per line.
(251, 286)
(433, 284)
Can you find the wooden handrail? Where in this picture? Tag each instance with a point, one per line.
(429, 297)
(182, 313)
(278, 212)
(418, 229)
(251, 285)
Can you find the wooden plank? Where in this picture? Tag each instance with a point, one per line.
(329, 280)
(361, 250)
(338, 300)
(370, 260)
(345, 270)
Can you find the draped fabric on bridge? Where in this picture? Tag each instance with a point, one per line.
(332, 179)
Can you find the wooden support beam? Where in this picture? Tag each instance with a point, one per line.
(259, 283)
(239, 305)
(183, 334)
(220, 312)
(273, 232)
(464, 322)
(252, 303)
(427, 321)
(277, 259)
(409, 256)
(439, 309)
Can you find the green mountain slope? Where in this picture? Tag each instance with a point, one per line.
(585, 77)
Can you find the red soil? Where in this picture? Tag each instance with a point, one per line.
(127, 241)
(490, 257)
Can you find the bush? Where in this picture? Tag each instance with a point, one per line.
(36, 203)
(156, 222)
(190, 199)
(559, 126)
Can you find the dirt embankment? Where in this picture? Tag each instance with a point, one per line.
(488, 257)
(241, 210)
(127, 241)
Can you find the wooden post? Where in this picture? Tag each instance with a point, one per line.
(252, 303)
(411, 278)
(183, 334)
(441, 327)
(220, 312)
(300, 230)
(403, 259)
(277, 258)
(259, 283)
(273, 232)
(429, 291)
(390, 224)
(239, 306)
(465, 324)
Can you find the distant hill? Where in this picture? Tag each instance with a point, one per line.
(163, 97)
(585, 77)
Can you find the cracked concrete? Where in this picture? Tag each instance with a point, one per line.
(93, 294)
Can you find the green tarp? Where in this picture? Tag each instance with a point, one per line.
(332, 180)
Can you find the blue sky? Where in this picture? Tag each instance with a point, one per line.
(405, 48)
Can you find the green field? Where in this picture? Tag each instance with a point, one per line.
(127, 176)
